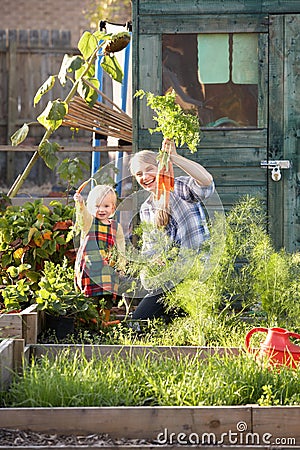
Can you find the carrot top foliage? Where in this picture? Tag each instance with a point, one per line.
(174, 123)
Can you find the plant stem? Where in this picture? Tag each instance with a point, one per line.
(18, 183)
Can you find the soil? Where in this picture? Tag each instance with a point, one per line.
(17, 438)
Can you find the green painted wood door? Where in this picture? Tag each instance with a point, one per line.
(284, 129)
(247, 116)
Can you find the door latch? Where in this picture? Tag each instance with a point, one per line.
(275, 166)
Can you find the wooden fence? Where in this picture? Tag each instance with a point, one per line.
(27, 58)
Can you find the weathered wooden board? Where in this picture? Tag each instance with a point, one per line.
(6, 362)
(209, 423)
(11, 359)
(10, 325)
(280, 425)
(153, 7)
(133, 350)
(211, 139)
(20, 325)
(220, 23)
(243, 427)
(290, 151)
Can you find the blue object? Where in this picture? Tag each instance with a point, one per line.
(96, 142)
(124, 91)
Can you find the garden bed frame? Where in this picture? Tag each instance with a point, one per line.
(243, 427)
(23, 325)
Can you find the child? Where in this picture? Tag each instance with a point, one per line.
(101, 236)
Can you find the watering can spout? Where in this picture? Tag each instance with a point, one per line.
(277, 346)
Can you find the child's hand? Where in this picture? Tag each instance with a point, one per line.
(78, 198)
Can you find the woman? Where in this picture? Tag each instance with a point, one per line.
(183, 222)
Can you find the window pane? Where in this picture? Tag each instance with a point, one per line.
(244, 59)
(213, 58)
(215, 75)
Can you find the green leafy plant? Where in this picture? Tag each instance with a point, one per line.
(174, 123)
(57, 295)
(5, 201)
(71, 170)
(267, 398)
(16, 295)
(32, 234)
(80, 70)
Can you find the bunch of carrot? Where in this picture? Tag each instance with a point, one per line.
(164, 178)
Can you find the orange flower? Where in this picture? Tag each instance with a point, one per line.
(63, 225)
(47, 235)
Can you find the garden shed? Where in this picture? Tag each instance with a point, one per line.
(236, 64)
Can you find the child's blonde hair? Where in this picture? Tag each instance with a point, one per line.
(162, 216)
(97, 194)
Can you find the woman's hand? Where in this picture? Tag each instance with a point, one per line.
(169, 146)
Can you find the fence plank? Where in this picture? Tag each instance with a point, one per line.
(12, 107)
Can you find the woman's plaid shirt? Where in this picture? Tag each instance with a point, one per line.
(187, 226)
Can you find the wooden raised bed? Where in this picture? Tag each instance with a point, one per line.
(12, 352)
(243, 427)
(24, 325)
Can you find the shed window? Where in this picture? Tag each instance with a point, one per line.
(216, 69)
(214, 74)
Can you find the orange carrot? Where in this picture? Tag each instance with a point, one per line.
(171, 171)
(112, 322)
(94, 320)
(83, 185)
(166, 198)
(165, 176)
(159, 184)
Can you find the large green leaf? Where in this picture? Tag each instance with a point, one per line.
(89, 74)
(87, 93)
(47, 151)
(69, 64)
(102, 36)
(111, 65)
(87, 44)
(20, 135)
(6, 259)
(46, 86)
(52, 116)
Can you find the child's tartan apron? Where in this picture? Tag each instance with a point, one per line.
(93, 274)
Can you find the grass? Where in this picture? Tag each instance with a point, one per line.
(72, 380)
(182, 331)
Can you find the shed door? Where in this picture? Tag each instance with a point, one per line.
(243, 82)
(221, 74)
(284, 128)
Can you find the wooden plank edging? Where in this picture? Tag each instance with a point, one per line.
(22, 325)
(11, 360)
(241, 426)
(131, 350)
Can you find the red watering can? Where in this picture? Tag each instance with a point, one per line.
(277, 347)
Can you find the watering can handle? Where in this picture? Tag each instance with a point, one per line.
(251, 332)
(295, 335)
